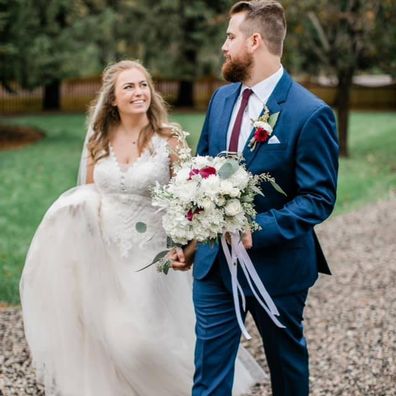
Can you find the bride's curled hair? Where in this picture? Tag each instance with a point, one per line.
(103, 115)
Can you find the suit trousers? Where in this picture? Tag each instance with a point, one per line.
(218, 337)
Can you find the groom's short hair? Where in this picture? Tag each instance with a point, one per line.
(266, 17)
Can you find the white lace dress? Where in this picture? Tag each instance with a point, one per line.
(96, 326)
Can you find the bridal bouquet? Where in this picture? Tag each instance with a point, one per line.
(208, 197)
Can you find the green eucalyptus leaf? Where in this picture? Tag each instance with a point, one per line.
(157, 258)
(160, 255)
(165, 268)
(257, 191)
(228, 169)
(273, 119)
(277, 187)
(141, 227)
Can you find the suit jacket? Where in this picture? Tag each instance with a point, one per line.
(286, 252)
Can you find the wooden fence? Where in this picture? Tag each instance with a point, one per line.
(76, 94)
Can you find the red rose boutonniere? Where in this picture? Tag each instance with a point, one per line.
(263, 128)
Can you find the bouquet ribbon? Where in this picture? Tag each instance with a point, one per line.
(239, 254)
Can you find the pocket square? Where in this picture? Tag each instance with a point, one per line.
(273, 140)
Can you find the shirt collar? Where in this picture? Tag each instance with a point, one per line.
(264, 88)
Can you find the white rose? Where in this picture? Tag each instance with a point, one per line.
(207, 204)
(227, 188)
(220, 201)
(233, 207)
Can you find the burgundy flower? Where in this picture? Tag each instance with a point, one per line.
(204, 172)
(191, 213)
(193, 172)
(261, 135)
(207, 171)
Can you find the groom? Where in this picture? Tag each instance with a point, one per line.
(301, 153)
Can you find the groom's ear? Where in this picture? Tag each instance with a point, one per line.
(255, 41)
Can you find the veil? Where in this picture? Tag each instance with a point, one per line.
(82, 170)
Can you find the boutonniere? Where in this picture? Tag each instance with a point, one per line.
(263, 127)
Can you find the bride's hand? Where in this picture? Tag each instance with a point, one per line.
(178, 260)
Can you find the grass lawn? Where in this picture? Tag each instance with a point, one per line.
(32, 177)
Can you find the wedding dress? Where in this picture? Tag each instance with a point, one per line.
(95, 325)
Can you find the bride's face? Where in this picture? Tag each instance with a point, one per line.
(132, 92)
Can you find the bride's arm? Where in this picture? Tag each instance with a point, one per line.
(90, 171)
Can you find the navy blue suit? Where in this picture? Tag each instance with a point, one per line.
(286, 252)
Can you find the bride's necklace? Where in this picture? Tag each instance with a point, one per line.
(131, 139)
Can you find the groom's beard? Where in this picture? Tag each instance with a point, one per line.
(238, 70)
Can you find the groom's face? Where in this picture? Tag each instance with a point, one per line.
(238, 60)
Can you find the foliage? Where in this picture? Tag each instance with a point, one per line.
(331, 36)
(340, 38)
(46, 41)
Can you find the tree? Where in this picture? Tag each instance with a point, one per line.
(176, 38)
(45, 42)
(342, 37)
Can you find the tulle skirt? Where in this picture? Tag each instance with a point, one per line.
(98, 327)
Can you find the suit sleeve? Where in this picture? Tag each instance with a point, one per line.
(203, 143)
(316, 170)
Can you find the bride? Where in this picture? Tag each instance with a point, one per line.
(95, 326)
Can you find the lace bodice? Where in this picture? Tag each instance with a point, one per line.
(137, 178)
(126, 196)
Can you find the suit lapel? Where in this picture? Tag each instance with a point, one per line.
(274, 104)
(225, 117)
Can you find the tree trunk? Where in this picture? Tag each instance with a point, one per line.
(343, 109)
(51, 99)
(185, 95)
(187, 58)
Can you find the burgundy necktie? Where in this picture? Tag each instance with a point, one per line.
(236, 130)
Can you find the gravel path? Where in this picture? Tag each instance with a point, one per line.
(350, 317)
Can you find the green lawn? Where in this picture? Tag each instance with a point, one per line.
(32, 177)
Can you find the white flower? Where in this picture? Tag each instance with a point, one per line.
(233, 207)
(220, 200)
(263, 125)
(227, 188)
(210, 186)
(182, 175)
(207, 204)
(201, 162)
(185, 192)
(240, 178)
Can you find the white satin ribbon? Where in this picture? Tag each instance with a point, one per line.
(239, 254)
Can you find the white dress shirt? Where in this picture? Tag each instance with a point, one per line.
(258, 99)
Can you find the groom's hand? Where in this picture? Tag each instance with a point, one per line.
(178, 260)
(247, 240)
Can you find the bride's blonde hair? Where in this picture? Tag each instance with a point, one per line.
(103, 115)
